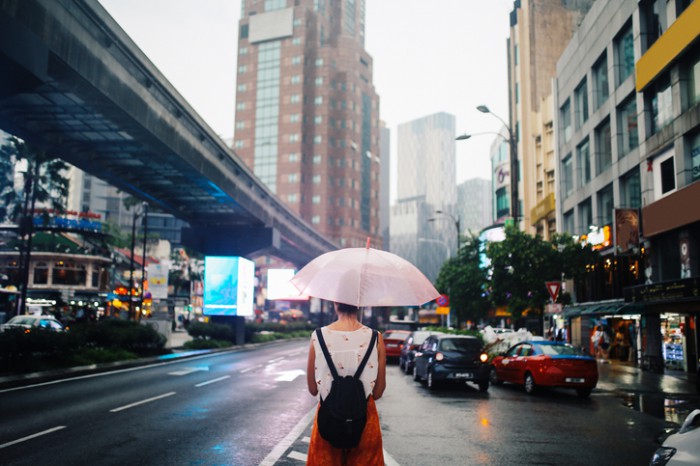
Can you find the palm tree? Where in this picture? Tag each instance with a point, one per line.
(43, 182)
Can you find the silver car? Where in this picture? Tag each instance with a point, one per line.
(682, 447)
(30, 322)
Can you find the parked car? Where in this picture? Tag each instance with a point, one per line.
(682, 447)
(408, 351)
(451, 358)
(31, 322)
(393, 341)
(546, 363)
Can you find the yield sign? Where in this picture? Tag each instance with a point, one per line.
(553, 288)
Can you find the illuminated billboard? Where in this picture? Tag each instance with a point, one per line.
(494, 233)
(279, 286)
(228, 286)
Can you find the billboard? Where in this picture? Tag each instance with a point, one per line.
(228, 286)
(494, 233)
(158, 280)
(279, 287)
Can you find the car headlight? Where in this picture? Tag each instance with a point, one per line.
(662, 455)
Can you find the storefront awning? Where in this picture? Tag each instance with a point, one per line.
(601, 308)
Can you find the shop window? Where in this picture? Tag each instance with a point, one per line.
(69, 273)
(41, 273)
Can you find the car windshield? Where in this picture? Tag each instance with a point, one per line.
(459, 344)
(560, 350)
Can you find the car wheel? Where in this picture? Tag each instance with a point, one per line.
(530, 386)
(416, 377)
(493, 377)
(484, 386)
(584, 392)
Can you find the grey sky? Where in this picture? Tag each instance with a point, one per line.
(429, 56)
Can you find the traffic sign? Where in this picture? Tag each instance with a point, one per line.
(443, 300)
(442, 311)
(553, 288)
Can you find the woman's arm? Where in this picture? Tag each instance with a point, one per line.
(311, 371)
(380, 384)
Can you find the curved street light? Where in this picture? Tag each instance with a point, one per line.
(514, 176)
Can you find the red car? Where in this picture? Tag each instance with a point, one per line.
(393, 342)
(546, 364)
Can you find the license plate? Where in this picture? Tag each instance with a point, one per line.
(574, 380)
(390, 345)
(463, 375)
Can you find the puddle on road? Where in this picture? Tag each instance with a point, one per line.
(668, 408)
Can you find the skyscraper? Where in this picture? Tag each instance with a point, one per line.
(307, 114)
(426, 183)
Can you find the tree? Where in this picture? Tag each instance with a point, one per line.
(464, 281)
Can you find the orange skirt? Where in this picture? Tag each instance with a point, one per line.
(368, 453)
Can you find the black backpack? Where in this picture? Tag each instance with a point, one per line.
(343, 414)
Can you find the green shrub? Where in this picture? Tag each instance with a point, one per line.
(139, 338)
(201, 330)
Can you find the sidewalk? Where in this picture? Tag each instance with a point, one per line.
(625, 377)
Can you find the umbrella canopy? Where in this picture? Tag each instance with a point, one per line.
(364, 277)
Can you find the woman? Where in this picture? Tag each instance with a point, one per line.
(347, 340)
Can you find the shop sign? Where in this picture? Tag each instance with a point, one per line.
(553, 308)
(626, 229)
(688, 288)
(598, 238)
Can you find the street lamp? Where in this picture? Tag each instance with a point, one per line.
(456, 223)
(512, 144)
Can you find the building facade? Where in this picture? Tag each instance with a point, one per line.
(424, 218)
(474, 205)
(539, 31)
(307, 114)
(385, 186)
(628, 148)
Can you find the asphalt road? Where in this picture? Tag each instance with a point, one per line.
(251, 408)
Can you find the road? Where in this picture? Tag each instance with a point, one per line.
(251, 407)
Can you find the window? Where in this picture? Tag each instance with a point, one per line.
(600, 81)
(292, 198)
(630, 190)
(316, 179)
(565, 113)
(242, 88)
(583, 161)
(695, 156)
(585, 216)
(568, 220)
(293, 177)
(661, 103)
(624, 47)
(319, 62)
(694, 81)
(316, 199)
(664, 170)
(318, 81)
(581, 102)
(605, 206)
(41, 273)
(240, 106)
(294, 137)
(316, 219)
(69, 273)
(294, 98)
(294, 118)
(318, 119)
(296, 60)
(567, 170)
(296, 79)
(318, 100)
(240, 124)
(242, 69)
(627, 124)
(243, 51)
(603, 147)
(317, 159)
(296, 41)
(318, 139)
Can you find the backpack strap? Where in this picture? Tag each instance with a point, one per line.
(366, 358)
(329, 360)
(327, 355)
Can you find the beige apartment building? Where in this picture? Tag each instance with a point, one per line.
(539, 32)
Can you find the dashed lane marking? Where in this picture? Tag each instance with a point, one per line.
(147, 400)
(212, 381)
(295, 455)
(29, 437)
(286, 442)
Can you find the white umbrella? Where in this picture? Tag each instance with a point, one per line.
(364, 277)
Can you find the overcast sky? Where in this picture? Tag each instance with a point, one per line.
(429, 56)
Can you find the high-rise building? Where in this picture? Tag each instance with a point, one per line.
(307, 114)
(539, 32)
(474, 205)
(426, 184)
(385, 185)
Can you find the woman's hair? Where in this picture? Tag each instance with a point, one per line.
(347, 308)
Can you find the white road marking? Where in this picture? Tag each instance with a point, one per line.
(147, 400)
(272, 361)
(189, 370)
(29, 437)
(295, 455)
(212, 381)
(306, 439)
(286, 442)
(288, 376)
(388, 460)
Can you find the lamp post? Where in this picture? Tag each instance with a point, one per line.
(456, 223)
(144, 211)
(512, 144)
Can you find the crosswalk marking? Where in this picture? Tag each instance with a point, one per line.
(295, 455)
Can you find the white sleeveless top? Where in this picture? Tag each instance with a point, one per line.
(347, 350)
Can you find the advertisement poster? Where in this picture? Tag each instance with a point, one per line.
(158, 280)
(279, 286)
(228, 286)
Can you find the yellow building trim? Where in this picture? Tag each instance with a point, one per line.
(670, 45)
(543, 208)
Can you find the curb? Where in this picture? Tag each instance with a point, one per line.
(20, 380)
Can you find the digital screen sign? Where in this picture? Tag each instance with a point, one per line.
(279, 286)
(495, 233)
(228, 286)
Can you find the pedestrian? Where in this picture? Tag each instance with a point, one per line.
(347, 340)
(598, 340)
